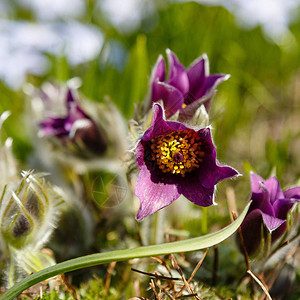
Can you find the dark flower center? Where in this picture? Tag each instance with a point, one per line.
(178, 152)
(178, 157)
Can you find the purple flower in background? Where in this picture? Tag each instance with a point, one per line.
(75, 130)
(174, 160)
(184, 90)
(269, 207)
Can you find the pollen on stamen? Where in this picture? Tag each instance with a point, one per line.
(178, 152)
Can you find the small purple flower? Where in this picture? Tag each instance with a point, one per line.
(185, 90)
(75, 130)
(269, 207)
(174, 160)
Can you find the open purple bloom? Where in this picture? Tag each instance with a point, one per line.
(174, 160)
(184, 90)
(76, 129)
(269, 207)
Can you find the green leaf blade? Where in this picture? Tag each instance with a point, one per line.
(193, 244)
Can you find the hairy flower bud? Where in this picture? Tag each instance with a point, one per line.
(28, 212)
(75, 131)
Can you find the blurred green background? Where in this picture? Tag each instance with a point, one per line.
(113, 45)
(255, 115)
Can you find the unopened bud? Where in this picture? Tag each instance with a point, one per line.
(77, 131)
(87, 138)
(28, 211)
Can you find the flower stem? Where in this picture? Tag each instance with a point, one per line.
(158, 233)
(204, 220)
(215, 266)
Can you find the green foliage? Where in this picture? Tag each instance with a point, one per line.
(261, 83)
(127, 254)
(255, 114)
(95, 290)
(135, 77)
(50, 296)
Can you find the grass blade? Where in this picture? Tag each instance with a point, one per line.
(126, 254)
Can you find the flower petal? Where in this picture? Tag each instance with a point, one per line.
(172, 97)
(210, 172)
(178, 75)
(139, 154)
(293, 192)
(74, 109)
(153, 196)
(159, 125)
(62, 126)
(191, 187)
(69, 99)
(260, 195)
(188, 112)
(278, 232)
(196, 74)
(53, 126)
(201, 83)
(282, 207)
(159, 70)
(273, 186)
(255, 183)
(211, 82)
(251, 230)
(271, 222)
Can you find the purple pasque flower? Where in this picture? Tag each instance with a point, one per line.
(174, 159)
(269, 207)
(76, 130)
(184, 90)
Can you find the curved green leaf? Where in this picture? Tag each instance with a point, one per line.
(126, 254)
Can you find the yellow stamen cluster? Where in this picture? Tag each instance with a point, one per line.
(178, 152)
